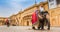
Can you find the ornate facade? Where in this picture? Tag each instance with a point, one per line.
(13, 20)
(24, 17)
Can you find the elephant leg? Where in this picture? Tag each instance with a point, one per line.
(40, 24)
(33, 27)
(48, 24)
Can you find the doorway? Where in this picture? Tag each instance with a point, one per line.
(27, 23)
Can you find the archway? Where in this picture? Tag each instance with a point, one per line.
(27, 20)
(27, 23)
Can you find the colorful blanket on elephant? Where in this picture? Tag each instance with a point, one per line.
(34, 18)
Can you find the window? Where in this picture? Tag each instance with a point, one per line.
(52, 4)
(51, 0)
(58, 2)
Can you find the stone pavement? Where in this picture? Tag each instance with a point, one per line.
(26, 29)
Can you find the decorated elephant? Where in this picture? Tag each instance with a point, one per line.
(43, 19)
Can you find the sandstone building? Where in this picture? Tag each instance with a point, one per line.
(24, 17)
(2, 21)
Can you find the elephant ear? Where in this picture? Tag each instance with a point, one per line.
(40, 17)
(47, 16)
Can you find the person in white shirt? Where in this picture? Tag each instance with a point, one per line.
(41, 9)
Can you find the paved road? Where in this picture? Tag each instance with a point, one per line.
(26, 29)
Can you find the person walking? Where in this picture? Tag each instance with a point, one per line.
(7, 22)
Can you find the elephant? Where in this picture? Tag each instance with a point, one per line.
(44, 19)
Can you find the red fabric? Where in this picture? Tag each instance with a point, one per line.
(34, 18)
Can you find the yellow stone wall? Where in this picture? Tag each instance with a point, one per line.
(55, 16)
(13, 20)
(2, 21)
(18, 19)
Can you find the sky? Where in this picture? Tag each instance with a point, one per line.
(10, 7)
